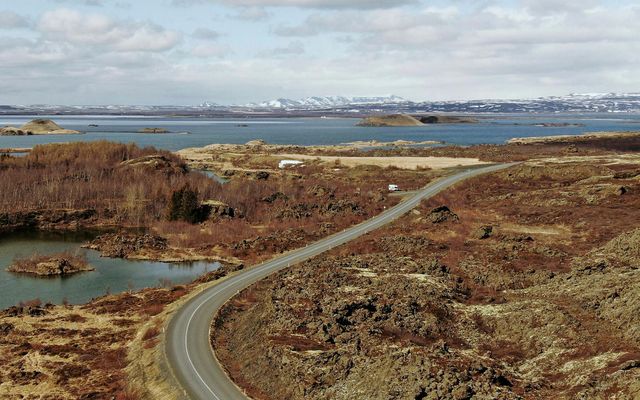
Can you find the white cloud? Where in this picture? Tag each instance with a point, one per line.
(11, 20)
(251, 14)
(464, 49)
(328, 4)
(294, 48)
(205, 34)
(210, 50)
(95, 29)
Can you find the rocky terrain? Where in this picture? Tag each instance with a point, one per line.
(521, 285)
(37, 127)
(51, 265)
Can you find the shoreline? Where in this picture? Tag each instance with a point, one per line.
(14, 150)
(585, 136)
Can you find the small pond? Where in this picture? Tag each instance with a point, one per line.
(111, 275)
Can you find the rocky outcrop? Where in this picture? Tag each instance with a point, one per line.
(217, 209)
(441, 214)
(119, 245)
(46, 219)
(13, 131)
(157, 162)
(274, 197)
(621, 252)
(275, 242)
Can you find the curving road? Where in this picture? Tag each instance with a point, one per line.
(187, 348)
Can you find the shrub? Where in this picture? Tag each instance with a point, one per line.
(184, 206)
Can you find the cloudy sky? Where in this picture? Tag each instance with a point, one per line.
(236, 51)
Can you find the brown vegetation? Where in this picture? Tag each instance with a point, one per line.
(65, 263)
(93, 176)
(83, 351)
(524, 286)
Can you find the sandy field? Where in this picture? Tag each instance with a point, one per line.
(399, 162)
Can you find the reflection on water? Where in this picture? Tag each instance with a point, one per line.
(215, 176)
(111, 275)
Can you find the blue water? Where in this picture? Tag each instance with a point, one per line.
(309, 131)
(111, 275)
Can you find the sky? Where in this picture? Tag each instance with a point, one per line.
(184, 52)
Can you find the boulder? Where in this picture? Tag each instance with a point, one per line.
(442, 214)
(217, 209)
(484, 232)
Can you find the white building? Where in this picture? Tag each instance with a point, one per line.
(394, 188)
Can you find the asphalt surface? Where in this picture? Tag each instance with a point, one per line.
(187, 348)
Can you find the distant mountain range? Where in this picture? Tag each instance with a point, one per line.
(357, 106)
(576, 102)
(316, 102)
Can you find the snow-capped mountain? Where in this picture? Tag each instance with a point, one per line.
(321, 102)
(343, 105)
(209, 104)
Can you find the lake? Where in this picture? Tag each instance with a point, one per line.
(111, 275)
(493, 129)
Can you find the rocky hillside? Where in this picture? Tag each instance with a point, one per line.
(519, 285)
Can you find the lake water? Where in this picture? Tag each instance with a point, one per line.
(309, 131)
(112, 275)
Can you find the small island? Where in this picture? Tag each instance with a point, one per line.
(37, 127)
(446, 119)
(390, 120)
(153, 130)
(394, 120)
(60, 264)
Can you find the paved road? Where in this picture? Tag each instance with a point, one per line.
(187, 347)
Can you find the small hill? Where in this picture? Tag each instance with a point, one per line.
(45, 127)
(390, 120)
